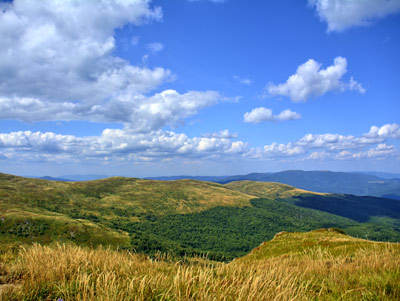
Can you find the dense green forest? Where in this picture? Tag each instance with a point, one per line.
(233, 232)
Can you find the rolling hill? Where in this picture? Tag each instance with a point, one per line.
(183, 216)
(325, 240)
(93, 212)
(319, 181)
(329, 182)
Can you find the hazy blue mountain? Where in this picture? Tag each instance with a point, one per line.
(383, 175)
(54, 179)
(357, 183)
(328, 181)
(89, 177)
(201, 178)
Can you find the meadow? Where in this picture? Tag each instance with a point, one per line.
(318, 265)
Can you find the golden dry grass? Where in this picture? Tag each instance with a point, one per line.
(75, 273)
(268, 189)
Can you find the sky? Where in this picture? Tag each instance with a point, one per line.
(209, 87)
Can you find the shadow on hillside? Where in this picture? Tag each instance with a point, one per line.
(358, 208)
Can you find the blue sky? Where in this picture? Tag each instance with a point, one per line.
(150, 88)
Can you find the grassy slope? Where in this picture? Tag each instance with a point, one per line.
(269, 190)
(376, 218)
(184, 216)
(320, 265)
(34, 210)
(116, 196)
(331, 240)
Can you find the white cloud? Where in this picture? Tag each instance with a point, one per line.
(340, 14)
(155, 47)
(335, 146)
(312, 81)
(126, 145)
(318, 156)
(278, 150)
(386, 131)
(288, 115)
(141, 113)
(118, 144)
(57, 58)
(381, 151)
(262, 114)
(327, 141)
(165, 108)
(355, 86)
(336, 142)
(57, 62)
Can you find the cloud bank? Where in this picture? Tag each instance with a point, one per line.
(129, 146)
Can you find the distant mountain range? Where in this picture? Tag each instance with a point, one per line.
(74, 178)
(378, 184)
(319, 181)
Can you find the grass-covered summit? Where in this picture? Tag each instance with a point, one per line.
(326, 240)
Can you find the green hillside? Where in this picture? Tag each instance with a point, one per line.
(94, 212)
(331, 241)
(181, 217)
(269, 190)
(376, 218)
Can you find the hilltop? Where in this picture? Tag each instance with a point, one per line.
(331, 240)
(97, 212)
(183, 216)
(270, 190)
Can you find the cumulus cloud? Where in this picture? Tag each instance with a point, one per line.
(155, 47)
(57, 62)
(383, 132)
(58, 51)
(118, 143)
(340, 15)
(337, 142)
(380, 152)
(139, 112)
(312, 81)
(262, 114)
(335, 146)
(126, 145)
